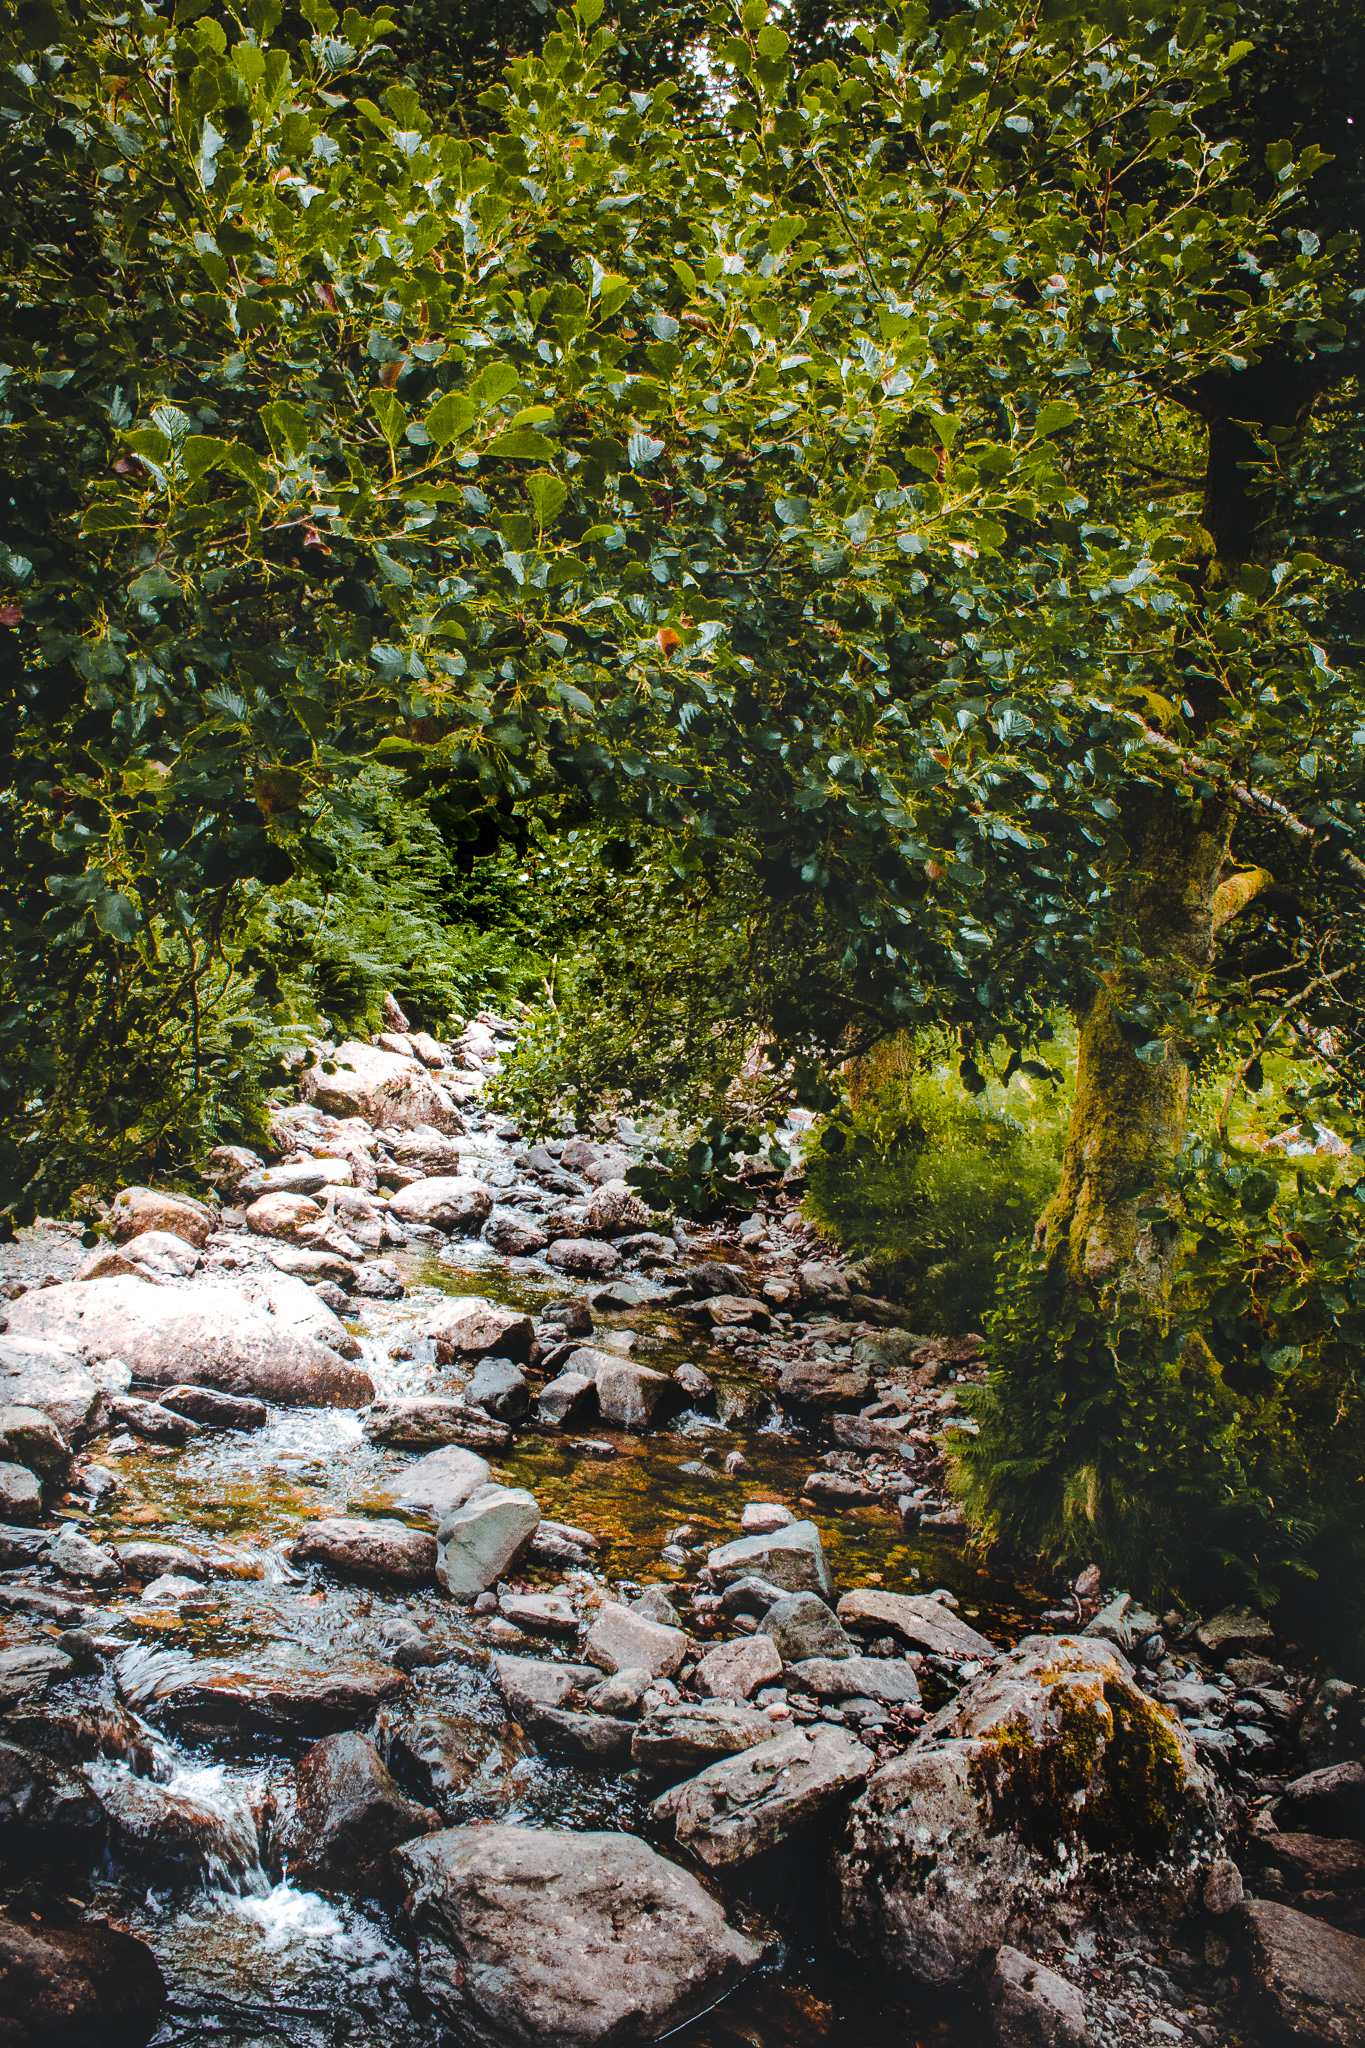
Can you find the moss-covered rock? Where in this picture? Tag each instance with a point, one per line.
(1052, 1760)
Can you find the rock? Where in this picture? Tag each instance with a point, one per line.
(311, 1266)
(529, 1684)
(688, 1738)
(1056, 1757)
(620, 1638)
(694, 1382)
(734, 1671)
(1222, 1886)
(887, 1680)
(152, 1255)
(499, 1388)
(628, 1395)
(1235, 1632)
(792, 1558)
(369, 1550)
(513, 1236)
(802, 1626)
(209, 1699)
(588, 1738)
(1333, 1726)
(823, 1384)
(761, 1517)
(135, 1210)
(47, 1813)
(348, 1817)
(540, 1614)
(170, 1591)
(887, 1350)
(380, 1280)
(918, 1619)
(654, 1602)
(76, 1557)
(1033, 2007)
(213, 1409)
(41, 1604)
(227, 1167)
(21, 1497)
(71, 1987)
(471, 1328)
(299, 1177)
(732, 1312)
(479, 1540)
(434, 1419)
(585, 1255)
(441, 1482)
(154, 1560)
(570, 1398)
(1316, 1863)
(1310, 1977)
(559, 1543)
(296, 1306)
(20, 1548)
(838, 1489)
(162, 1833)
(385, 1089)
(283, 1215)
(30, 1669)
(750, 1596)
(150, 1420)
(408, 1646)
(746, 1804)
(453, 1758)
(209, 1334)
(29, 1437)
(45, 1377)
(1326, 1802)
(615, 1210)
(622, 1693)
(449, 1202)
(821, 1282)
(521, 1937)
(427, 1152)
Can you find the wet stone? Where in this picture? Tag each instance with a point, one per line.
(452, 1760)
(361, 1549)
(802, 1626)
(160, 1832)
(47, 1813)
(499, 1388)
(688, 1738)
(214, 1409)
(76, 1557)
(473, 1328)
(480, 1539)
(441, 1482)
(69, 1987)
(348, 1817)
(540, 1614)
(420, 1421)
(747, 1804)
(211, 1699)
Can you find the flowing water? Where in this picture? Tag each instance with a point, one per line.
(250, 1959)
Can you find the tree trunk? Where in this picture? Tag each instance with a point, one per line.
(1128, 1117)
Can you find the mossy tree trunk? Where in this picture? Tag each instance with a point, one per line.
(1129, 1115)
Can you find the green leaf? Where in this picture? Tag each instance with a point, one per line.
(773, 43)
(116, 915)
(524, 446)
(945, 426)
(286, 430)
(548, 498)
(112, 516)
(450, 416)
(612, 293)
(1058, 413)
(783, 231)
(392, 415)
(499, 380)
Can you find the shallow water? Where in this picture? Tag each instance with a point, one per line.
(251, 1960)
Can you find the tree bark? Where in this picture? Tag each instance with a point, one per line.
(1129, 1115)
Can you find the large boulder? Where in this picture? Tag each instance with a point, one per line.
(289, 1694)
(51, 1379)
(436, 1485)
(207, 1333)
(152, 1255)
(382, 1087)
(823, 1384)
(296, 1306)
(72, 1987)
(1330, 1801)
(533, 1938)
(792, 1559)
(479, 1540)
(135, 1210)
(348, 1817)
(628, 1395)
(427, 1152)
(1310, 1978)
(469, 1327)
(1053, 1758)
(449, 1202)
(369, 1550)
(284, 1214)
(615, 1210)
(886, 1680)
(747, 1804)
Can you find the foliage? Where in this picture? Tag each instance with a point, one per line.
(1220, 1454)
(924, 1181)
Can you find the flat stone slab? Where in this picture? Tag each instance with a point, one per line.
(421, 1421)
(923, 1623)
(622, 1639)
(218, 1697)
(540, 1614)
(689, 1737)
(369, 1550)
(1310, 1977)
(747, 1804)
(536, 1936)
(887, 1680)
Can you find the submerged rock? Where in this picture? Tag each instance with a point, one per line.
(544, 1939)
(453, 1760)
(165, 1833)
(71, 1987)
(1056, 1756)
(747, 1804)
(348, 1817)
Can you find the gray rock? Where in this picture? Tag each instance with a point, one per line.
(560, 1543)
(441, 1482)
(747, 1804)
(792, 1558)
(144, 1560)
(455, 1760)
(886, 1680)
(69, 1987)
(688, 1738)
(572, 1397)
(290, 1694)
(135, 1210)
(208, 1333)
(369, 1550)
(1309, 1977)
(53, 1381)
(888, 1350)
(499, 1388)
(622, 1693)
(170, 1591)
(470, 1327)
(823, 1384)
(422, 1419)
(150, 1420)
(383, 1088)
(1222, 1886)
(47, 1813)
(76, 1557)
(303, 1177)
(654, 1602)
(21, 1497)
(514, 1235)
(29, 1670)
(529, 1683)
(696, 1384)
(735, 1671)
(348, 1817)
(479, 1540)
(42, 1604)
(29, 1437)
(520, 1937)
(751, 1596)
(1235, 1632)
(214, 1409)
(587, 1256)
(20, 1547)
(452, 1203)
(802, 1626)
(630, 1396)
(924, 1623)
(162, 1833)
(1326, 1802)
(1033, 2007)
(621, 1639)
(761, 1517)
(588, 1738)
(540, 1614)
(1333, 1727)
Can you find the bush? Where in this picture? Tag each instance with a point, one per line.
(923, 1180)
